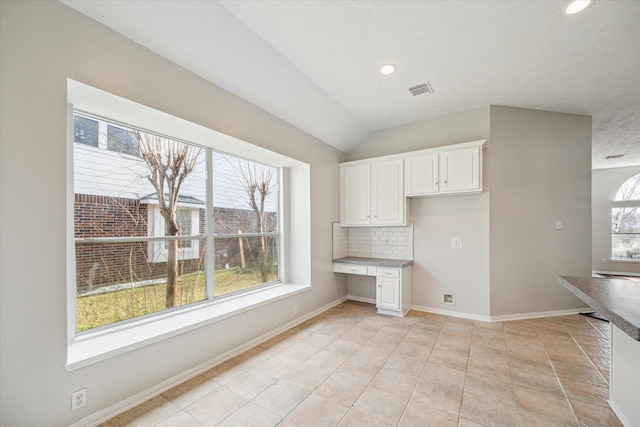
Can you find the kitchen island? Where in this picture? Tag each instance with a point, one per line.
(618, 301)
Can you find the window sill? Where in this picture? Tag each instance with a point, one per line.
(624, 260)
(95, 347)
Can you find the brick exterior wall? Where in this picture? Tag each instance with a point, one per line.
(104, 264)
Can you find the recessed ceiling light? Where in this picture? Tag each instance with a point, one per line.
(577, 6)
(387, 69)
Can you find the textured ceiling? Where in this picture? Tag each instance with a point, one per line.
(315, 63)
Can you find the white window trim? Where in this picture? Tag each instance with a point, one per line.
(295, 255)
(157, 250)
(96, 346)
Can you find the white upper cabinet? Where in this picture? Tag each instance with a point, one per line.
(421, 175)
(355, 194)
(454, 169)
(372, 193)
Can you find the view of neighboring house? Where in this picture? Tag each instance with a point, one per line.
(117, 211)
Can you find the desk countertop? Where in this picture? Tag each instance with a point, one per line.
(617, 300)
(379, 262)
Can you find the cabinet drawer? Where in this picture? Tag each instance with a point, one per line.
(392, 273)
(353, 269)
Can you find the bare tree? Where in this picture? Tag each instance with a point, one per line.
(169, 163)
(259, 182)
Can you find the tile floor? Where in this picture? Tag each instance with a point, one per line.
(352, 367)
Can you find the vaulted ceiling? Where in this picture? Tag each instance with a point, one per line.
(316, 63)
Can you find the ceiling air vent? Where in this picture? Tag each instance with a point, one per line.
(421, 89)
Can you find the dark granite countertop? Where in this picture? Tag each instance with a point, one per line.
(379, 262)
(616, 299)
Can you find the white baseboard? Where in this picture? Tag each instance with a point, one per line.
(537, 314)
(361, 299)
(451, 313)
(500, 318)
(106, 414)
(623, 419)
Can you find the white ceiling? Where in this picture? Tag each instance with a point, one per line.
(315, 63)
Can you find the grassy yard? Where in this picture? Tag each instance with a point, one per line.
(103, 309)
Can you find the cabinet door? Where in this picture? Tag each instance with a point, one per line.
(355, 195)
(388, 293)
(421, 175)
(387, 193)
(460, 171)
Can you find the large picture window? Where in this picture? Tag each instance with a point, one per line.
(161, 223)
(625, 221)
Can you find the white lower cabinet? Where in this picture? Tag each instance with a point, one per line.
(393, 286)
(393, 291)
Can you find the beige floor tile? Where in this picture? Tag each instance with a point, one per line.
(252, 415)
(281, 398)
(215, 406)
(440, 396)
(358, 371)
(419, 415)
(300, 351)
(492, 342)
(487, 412)
(316, 411)
(188, 392)
(226, 371)
(251, 383)
(585, 392)
(397, 383)
(353, 367)
(255, 356)
(489, 367)
(535, 381)
(151, 412)
(457, 359)
(492, 387)
(341, 390)
(443, 375)
(278, 366)
(305, 377)
(181, 419)
(576, 358)
(538, 367)
(593, 415)
(343, 347)
(426, 338)
(413, 350)
(381, 405)
(579, 373)
(355, 418)
(535, 419)
(407, 364)
(546, 403)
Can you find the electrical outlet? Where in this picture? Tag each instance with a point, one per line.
(78, 399)
(448, 298)
(295, 309)
(604, 260)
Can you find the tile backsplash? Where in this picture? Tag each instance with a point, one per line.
(373, 242)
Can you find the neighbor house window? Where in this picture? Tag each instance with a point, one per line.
(160, 223)
(625, 221)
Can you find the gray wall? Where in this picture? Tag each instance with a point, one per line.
(605, 184)
(437, 267)
(539, 171)
(43, 44)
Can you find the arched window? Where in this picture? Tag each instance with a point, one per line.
(625, 221)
